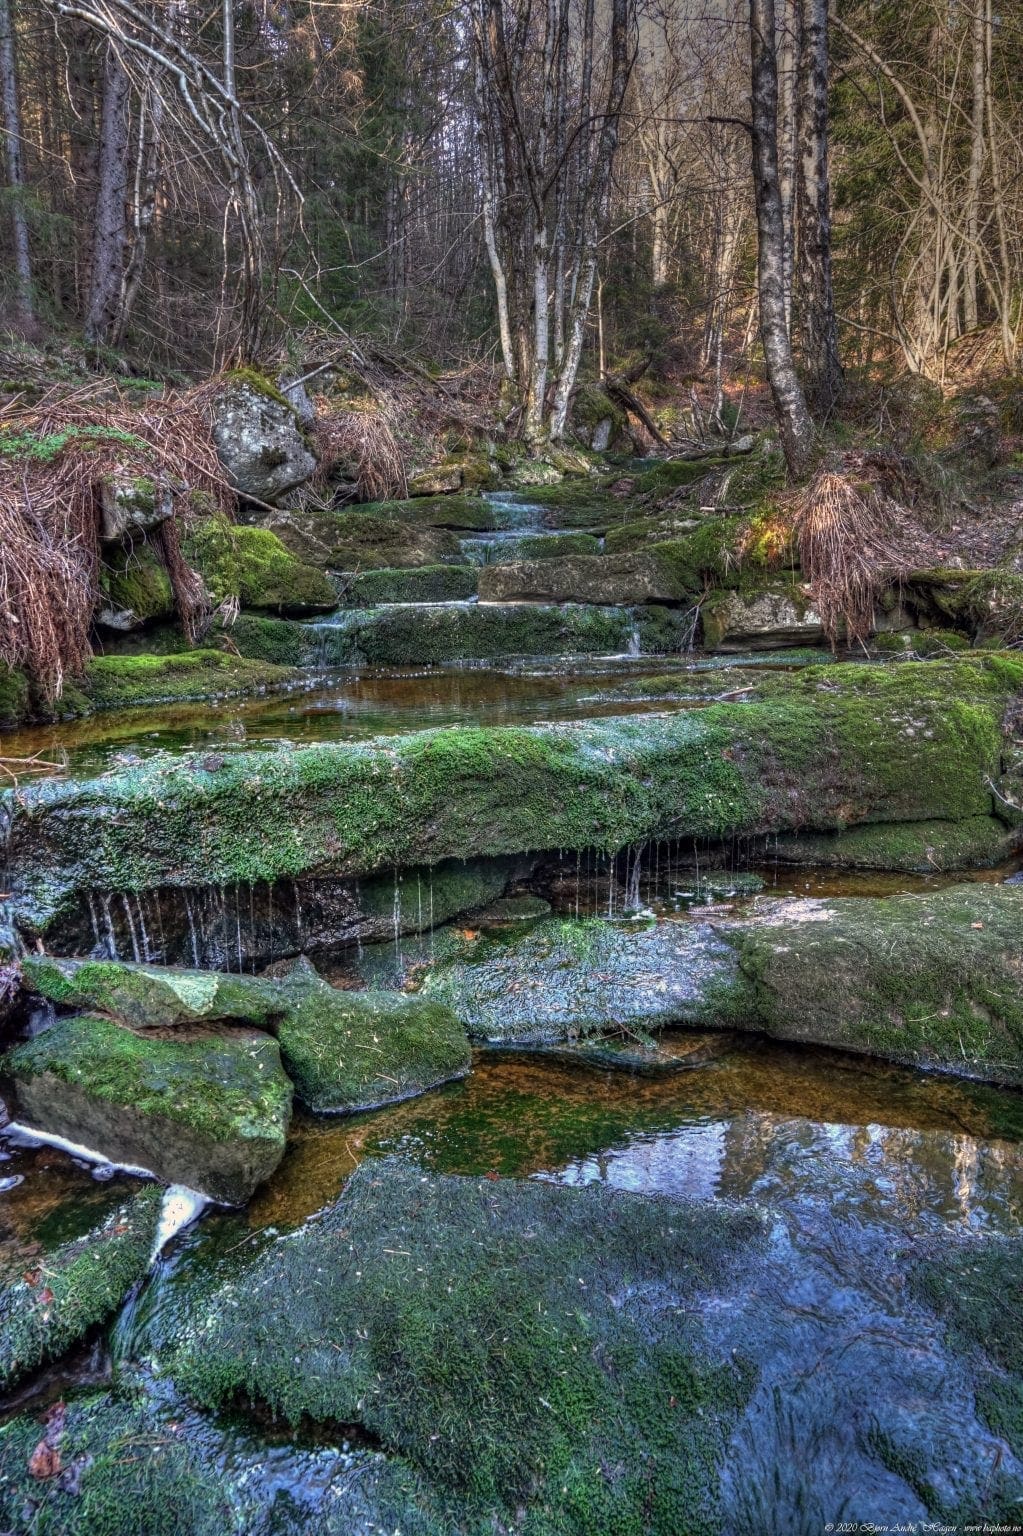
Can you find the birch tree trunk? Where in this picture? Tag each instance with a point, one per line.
(15, 167)
(794, 423)
(822, 370)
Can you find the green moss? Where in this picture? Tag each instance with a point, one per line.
(134, 578)
(357, 540)
(252, 564)
(47, 1309)
(820, 749)
(252, 378)
(673, 473)
(15, 699)
(154, 997)
(455, 511)
(920, 847)
(282, 643)
(48, 447)
(553, 546)
(423, 584)
(544, 1382)
(128, 682)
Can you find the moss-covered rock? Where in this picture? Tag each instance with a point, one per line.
(282, 643)
(930, 980)
(48, 1307)
(355, 540)
(922, 847)
(608, 579)
(822, 749)
(566, 979)
(348, 1050)
(549, 1391)
(135, 586)
(15, 698)
(207, 1108)
(129, 682)
(398, 636)
(422, 584)
(253, 565)
(152, 997)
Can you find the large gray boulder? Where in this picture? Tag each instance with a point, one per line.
(258, 440)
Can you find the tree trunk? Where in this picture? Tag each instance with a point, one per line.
(794, 423)
(15, 168)
(822, 370)
(110, 211)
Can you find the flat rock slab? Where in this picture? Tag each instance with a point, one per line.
(934, 980)
(49, 1302)
(565, 979)
(206, 1108)
(151, 996)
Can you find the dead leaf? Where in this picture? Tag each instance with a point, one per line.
(44, 1462)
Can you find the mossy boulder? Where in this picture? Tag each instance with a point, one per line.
(550, 1391)
(922, 847)
(927, 980)
(821, 749)
(151, 997)
(253, 565)
(351, 1050)
(355, 540)
(566, 979)
(422, 584)
(51, 1305)
(206, 1108)
(135, 587)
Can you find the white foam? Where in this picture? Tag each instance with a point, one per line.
(181, 1206)
(74, 1149)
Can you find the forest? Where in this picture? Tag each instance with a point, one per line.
(511, 767)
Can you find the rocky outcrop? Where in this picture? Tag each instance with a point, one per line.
(609, 579)
(258, 439)
(207, 1107)
(132, 507)
(772, 619)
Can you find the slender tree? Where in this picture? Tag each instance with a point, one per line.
(815, 308)
(15, 166)
(794, 422)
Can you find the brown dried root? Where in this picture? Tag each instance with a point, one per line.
(853, 541)
(54, 457)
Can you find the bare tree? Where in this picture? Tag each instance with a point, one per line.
(110, 216)
(822, 370)
(794, 422)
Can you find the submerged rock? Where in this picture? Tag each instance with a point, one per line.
(574, 1360)
(930, 980)
(350, 1050)
(48, 1303)
(207, 1108)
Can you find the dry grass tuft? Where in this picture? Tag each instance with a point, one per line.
(363, 443)
(853, 541)
(54, 457)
